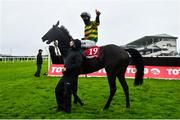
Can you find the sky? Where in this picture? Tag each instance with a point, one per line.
(24, 22)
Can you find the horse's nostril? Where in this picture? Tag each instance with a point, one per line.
(44, 38)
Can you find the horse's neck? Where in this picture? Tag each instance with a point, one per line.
(64, 51)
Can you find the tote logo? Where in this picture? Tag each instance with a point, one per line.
(173, 71)
(56, 69)
(155, 71)
(149, 72)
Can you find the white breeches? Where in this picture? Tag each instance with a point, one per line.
(87, 43)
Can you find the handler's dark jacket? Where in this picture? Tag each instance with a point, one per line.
(39, 59)
(73, 61)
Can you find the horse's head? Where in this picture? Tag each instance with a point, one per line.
(61, 34)
(51, 35)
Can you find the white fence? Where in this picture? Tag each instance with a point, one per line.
(20, 58)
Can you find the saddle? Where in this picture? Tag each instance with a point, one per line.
(92, 52)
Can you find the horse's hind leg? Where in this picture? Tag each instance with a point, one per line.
(122, 80)
(112, 84)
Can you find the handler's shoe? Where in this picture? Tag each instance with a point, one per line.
(60, 109)
(68, 110)
(36, 75)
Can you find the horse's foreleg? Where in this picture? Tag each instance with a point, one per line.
(112, 85)
(77, 99)
(74, 89)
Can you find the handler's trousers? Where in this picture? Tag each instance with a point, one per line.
(38, 72)
(63, 92)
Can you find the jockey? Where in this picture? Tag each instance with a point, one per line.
(91, 30)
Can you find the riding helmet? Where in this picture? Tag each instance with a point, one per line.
(86, 14)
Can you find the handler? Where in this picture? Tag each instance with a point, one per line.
(71, 70)
(39, 61)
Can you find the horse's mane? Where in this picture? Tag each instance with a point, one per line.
(66, 32)
(64, 40)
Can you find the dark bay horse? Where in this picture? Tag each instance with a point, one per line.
(114, 59)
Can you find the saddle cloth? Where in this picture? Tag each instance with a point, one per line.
(92, 52)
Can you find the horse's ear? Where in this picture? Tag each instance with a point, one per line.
(57, 23)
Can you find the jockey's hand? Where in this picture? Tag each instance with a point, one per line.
(64, 69)
(98, 13)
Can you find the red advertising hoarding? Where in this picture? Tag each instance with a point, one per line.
(149, 72)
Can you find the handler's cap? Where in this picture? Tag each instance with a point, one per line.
(40, 50)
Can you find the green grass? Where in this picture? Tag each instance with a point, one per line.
(24, 96)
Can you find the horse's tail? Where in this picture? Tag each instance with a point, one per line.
(139, 64)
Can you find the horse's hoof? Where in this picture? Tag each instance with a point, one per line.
(105, 109)
(127, 106)
(125, 109)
